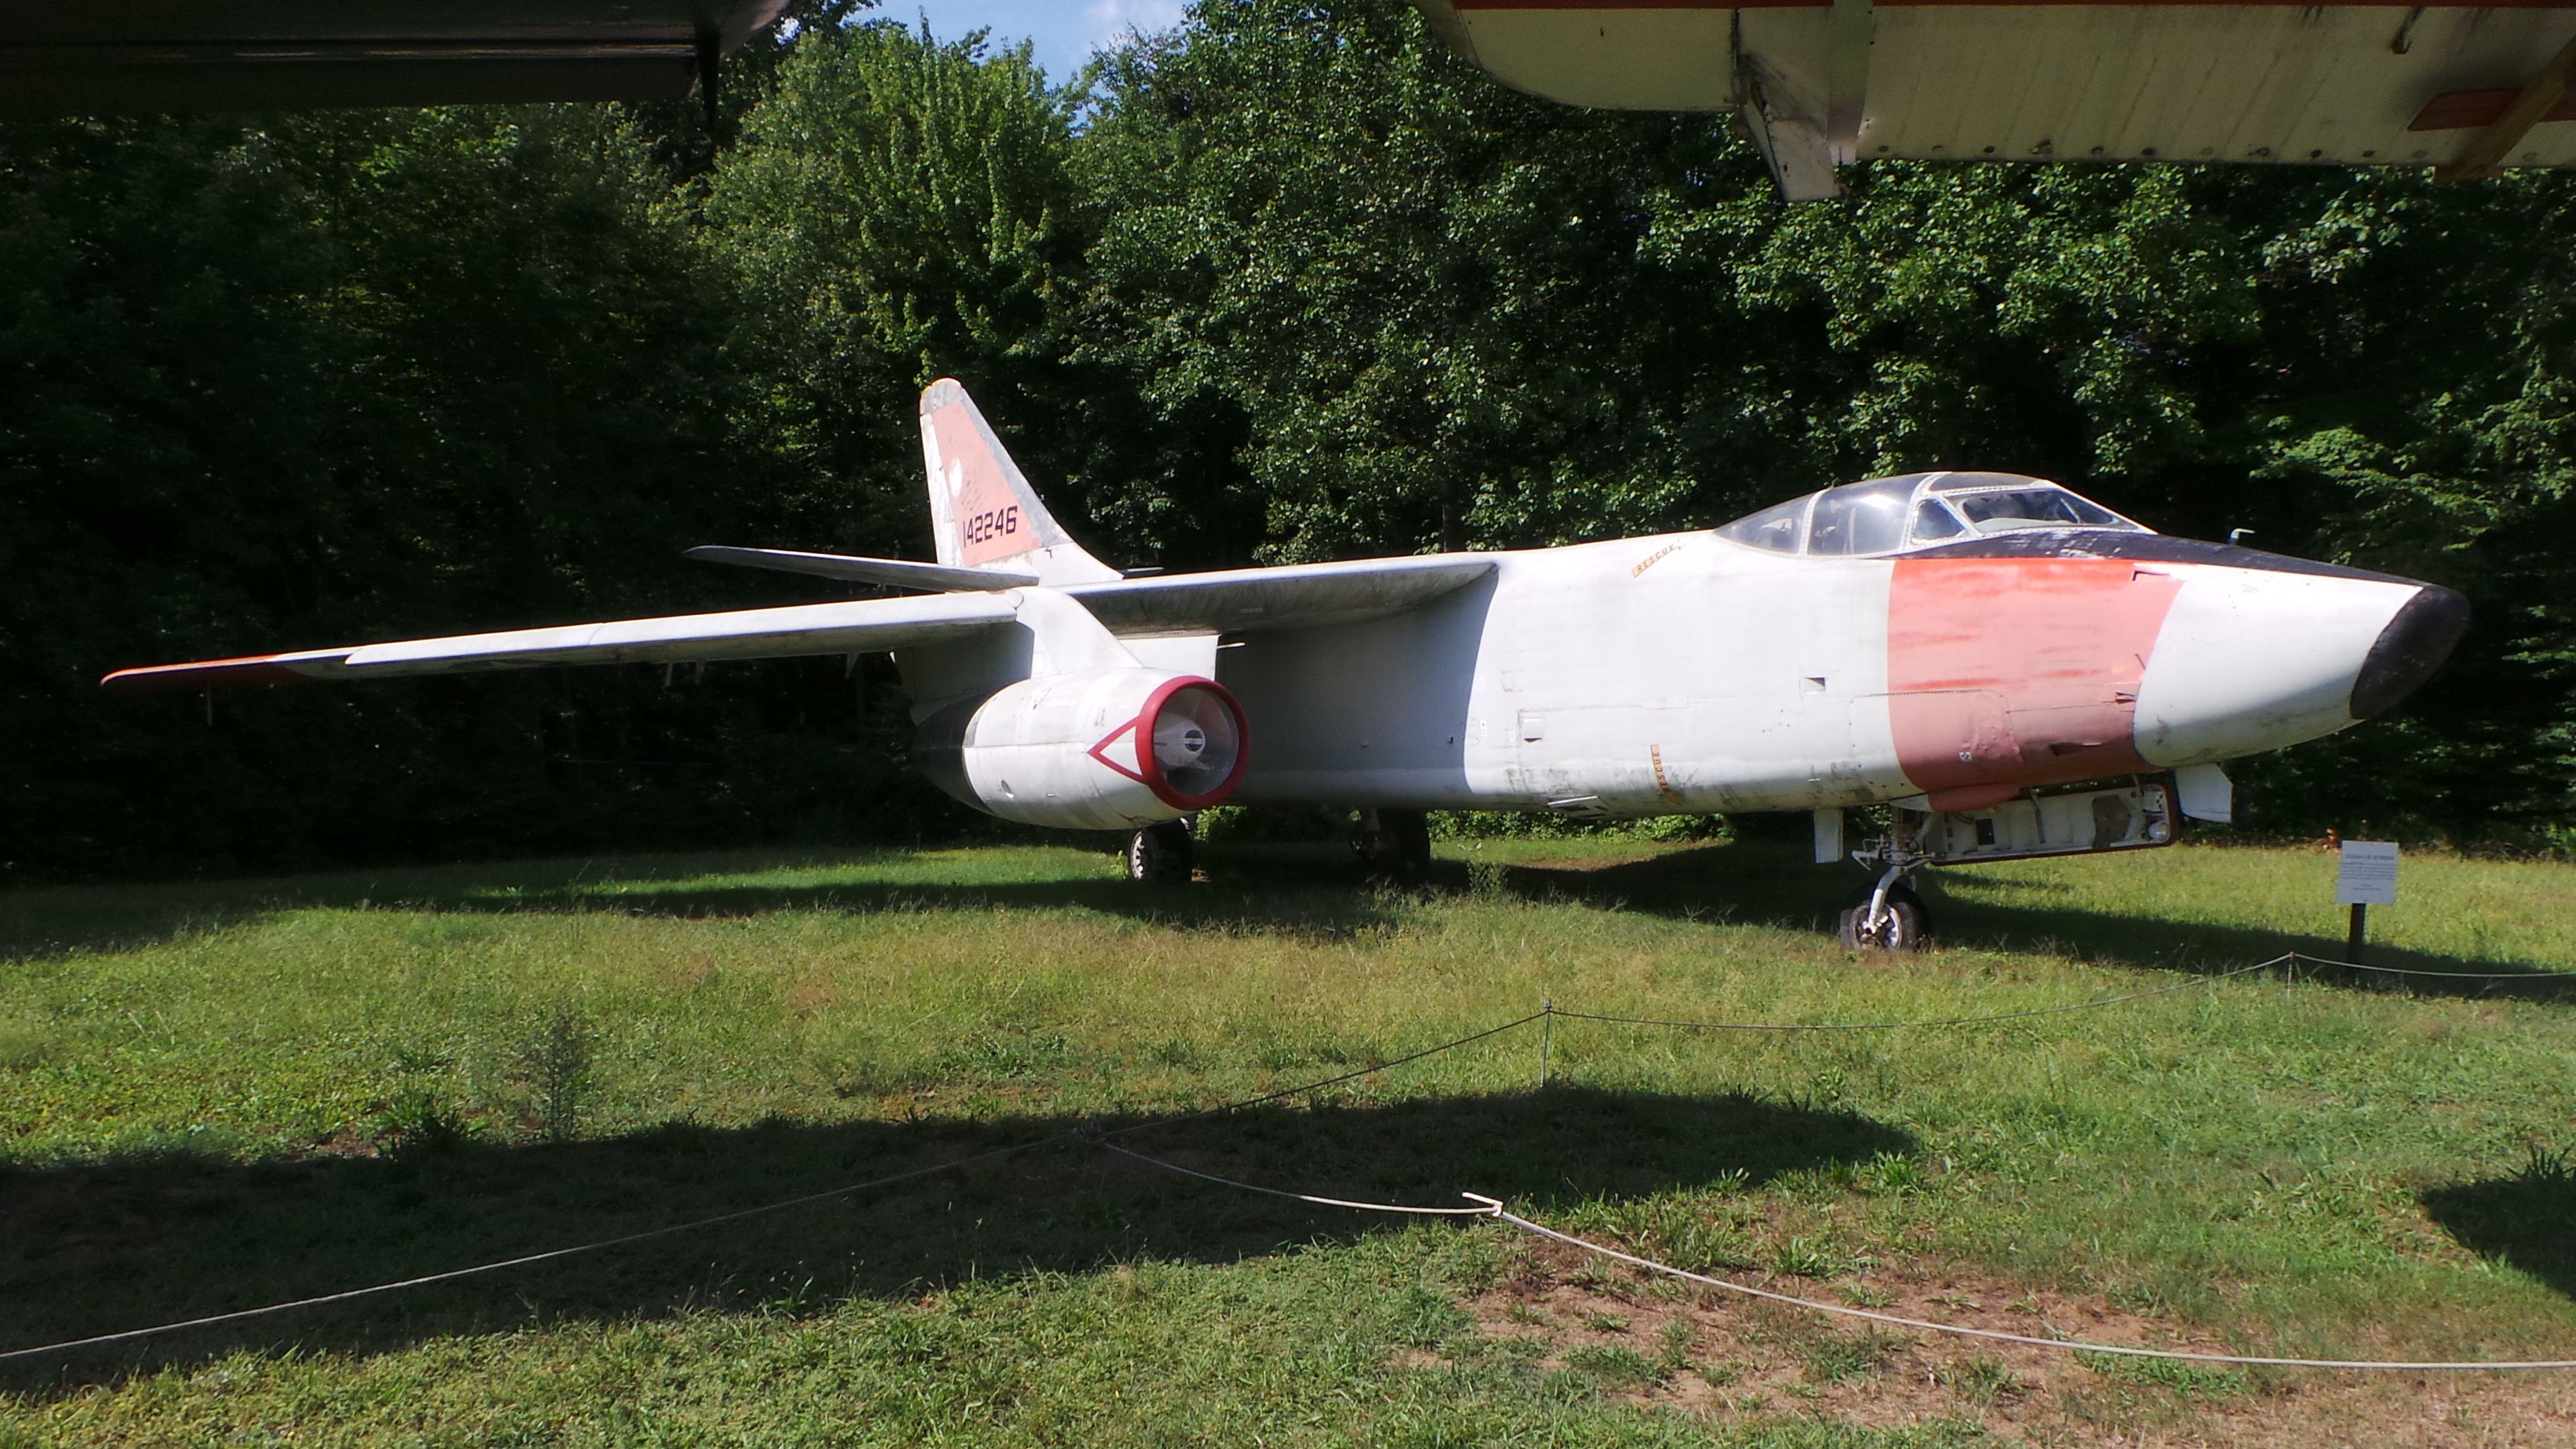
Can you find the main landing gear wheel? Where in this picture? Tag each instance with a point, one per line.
(1162, 854)
(1395, 844)
(1902, 924)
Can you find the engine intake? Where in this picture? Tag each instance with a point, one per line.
(1105, 749)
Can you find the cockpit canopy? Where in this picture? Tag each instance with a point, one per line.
(1917, 510)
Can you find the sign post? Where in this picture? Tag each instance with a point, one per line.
(2368, 877)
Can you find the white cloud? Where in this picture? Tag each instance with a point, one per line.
(1111, 19)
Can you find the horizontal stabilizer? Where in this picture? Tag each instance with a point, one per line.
(1293, 596)
(894, 572)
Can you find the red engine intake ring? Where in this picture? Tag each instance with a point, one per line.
(1140, 735)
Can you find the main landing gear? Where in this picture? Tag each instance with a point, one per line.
(1887, 915)
(1163, 854)
(1395, 845)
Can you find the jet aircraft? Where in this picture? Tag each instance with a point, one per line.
(2014, 669)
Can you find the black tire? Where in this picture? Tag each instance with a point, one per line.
(1907, 928)
(1395, 845)
(1161, 854)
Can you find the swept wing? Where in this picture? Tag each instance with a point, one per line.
(1299, 596)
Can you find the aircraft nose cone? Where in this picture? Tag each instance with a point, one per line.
(2416, 641)
(2255, 658)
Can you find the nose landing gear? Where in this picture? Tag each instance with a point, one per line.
(1887, 915)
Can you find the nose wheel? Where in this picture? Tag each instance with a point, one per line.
(1887, 915)
(1889, 920)
(1162, 854)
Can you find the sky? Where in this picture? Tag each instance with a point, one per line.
(1065, 31)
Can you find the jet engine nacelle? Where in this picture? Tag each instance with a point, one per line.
(1105, 749)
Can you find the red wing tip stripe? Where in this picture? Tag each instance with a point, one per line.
(218, 673)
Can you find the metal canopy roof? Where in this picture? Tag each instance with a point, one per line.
(174, 55)
(1819, 82)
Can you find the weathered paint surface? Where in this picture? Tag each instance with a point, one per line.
(2003, 673)
(984, 514)
(1725, 678)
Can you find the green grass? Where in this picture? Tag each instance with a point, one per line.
(217, 1095)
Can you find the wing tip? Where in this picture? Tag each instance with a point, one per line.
(218, 673)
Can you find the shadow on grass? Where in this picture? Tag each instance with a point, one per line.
(2526, 1219)
(105, 1246)
(1760, 883)
(1304, 891)
(1308, 892)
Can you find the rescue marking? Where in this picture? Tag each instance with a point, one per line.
(1663, 787)
(1652, 559)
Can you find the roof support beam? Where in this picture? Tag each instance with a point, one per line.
(1847, 78)
(2484, 155)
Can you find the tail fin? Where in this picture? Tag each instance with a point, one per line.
(983, 513)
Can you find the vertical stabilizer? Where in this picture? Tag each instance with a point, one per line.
(983, 513)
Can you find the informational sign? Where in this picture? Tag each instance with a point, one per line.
(2369, 874)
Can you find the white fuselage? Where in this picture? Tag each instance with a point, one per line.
(1685, 673)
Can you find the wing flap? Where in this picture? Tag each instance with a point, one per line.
(863, 625)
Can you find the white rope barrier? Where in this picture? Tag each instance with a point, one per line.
(523, 1261)
(1365, 1207)
(1942, 1021)
(1493, 1207)
(2437, 975)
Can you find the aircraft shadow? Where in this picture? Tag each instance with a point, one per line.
(1755, 882)
(2526, 1219)
(1301, 890)
(102, 1246)
(1306, 892)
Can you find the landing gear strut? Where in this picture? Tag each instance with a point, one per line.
(1887, 915)
(1163, 854)
(1395, 844)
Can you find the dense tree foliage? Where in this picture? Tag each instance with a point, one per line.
(1288, 283)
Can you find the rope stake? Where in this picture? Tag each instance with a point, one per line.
(1546, 1036)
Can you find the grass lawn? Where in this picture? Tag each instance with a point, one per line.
(219, 1095)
